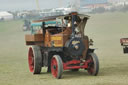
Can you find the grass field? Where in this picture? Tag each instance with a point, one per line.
(106, 31)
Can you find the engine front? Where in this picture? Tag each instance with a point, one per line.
(75, 47)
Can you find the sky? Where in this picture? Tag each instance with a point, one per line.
(9, 5)
(15, 5)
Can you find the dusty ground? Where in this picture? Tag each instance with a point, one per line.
(105, 29)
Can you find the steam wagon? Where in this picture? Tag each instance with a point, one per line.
(59, 43)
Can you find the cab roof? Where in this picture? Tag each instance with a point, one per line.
(52, 18)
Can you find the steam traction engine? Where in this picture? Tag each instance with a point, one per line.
(60, 44)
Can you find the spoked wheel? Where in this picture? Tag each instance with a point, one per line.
(35, 59)
(56, 66)
(93, 65)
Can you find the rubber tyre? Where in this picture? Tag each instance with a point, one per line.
(35, 59)
(93, 69)
(56, 66)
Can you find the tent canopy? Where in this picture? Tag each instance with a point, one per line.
(4, 13)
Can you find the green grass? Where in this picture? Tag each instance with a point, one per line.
(106, 31)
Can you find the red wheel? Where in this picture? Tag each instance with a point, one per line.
(31, 60)
(56, 66)
(34, 59)
(93, 65)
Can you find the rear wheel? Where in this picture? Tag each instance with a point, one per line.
(93, 65)
(56, 66)
(35, 59)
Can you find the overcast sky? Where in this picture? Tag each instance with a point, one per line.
(31, 4)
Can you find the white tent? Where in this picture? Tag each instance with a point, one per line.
(6, 16)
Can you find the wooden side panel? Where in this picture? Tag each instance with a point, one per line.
(32, 39)
(58, 39)
(64, 35)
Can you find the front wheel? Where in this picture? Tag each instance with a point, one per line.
(93, 65)
(56, 66)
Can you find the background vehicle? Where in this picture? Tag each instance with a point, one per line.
(124, 44)
(27, 25)
(60, 44)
